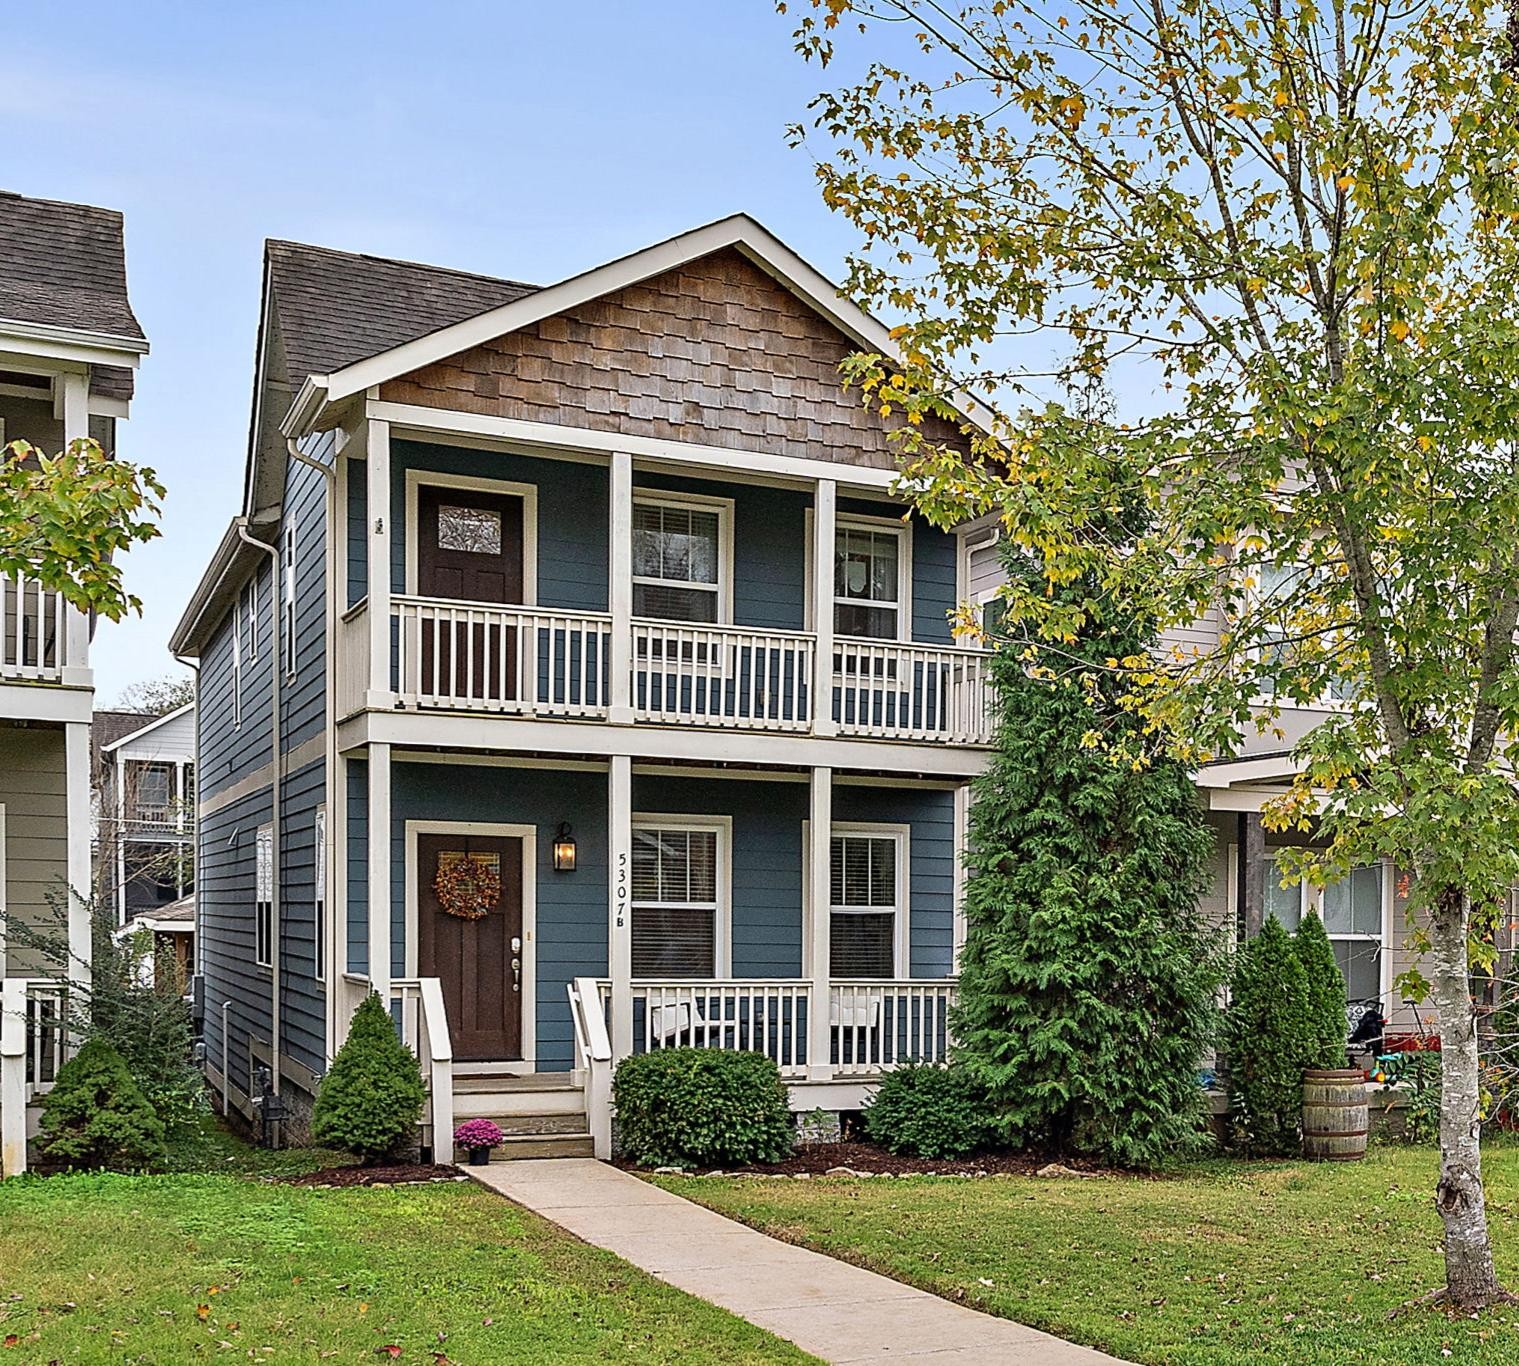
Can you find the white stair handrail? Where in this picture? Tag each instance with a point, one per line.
(440, 1050)
(594, 1045)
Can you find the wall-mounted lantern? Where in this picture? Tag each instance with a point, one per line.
(564, 849)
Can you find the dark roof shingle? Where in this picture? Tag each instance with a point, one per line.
(64, 265)
(336, 308)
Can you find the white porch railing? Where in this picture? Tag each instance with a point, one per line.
(722, 676)
(34, 1044)
(889, 690)
(873, 1025)
(353, 660)
(34, 636)
(416, 1004)
(487, 657)
(593, 1051)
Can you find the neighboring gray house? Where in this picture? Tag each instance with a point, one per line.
(572, 678)
(69, 343)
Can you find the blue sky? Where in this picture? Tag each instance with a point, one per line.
(523, 139)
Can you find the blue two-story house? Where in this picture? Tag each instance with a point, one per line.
(572, 678)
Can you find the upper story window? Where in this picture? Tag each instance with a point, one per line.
(1352, 912)
(870, 579)
(865, 904)
(287, 618)
(681, 559)
(237, 661)
(677, 898)
(149, 791)
(250, 615)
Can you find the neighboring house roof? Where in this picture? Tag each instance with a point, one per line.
(63, 268)
(107, 727)
(150, 723)
(178, 917)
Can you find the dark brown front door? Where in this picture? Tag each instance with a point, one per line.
(474, 959)
(469, 550)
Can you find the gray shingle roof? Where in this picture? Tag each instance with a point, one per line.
(63, 265)
(335, 307)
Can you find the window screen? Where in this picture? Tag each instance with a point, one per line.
(863, 896)
(675, 879)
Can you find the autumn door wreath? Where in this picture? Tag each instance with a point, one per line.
(467, 886)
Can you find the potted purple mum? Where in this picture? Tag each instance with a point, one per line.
(479, 1136)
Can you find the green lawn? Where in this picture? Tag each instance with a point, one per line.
(174, 1269)
(1220, 1263)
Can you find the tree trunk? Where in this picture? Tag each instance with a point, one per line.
(1470, 1280)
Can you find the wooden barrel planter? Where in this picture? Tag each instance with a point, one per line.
(1334, 1115)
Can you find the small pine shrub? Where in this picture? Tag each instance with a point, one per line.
(372, 1095)
(1266, 1043)
(928, 1111)
(96, 1115)
(1328, 1027)
(701, 1107)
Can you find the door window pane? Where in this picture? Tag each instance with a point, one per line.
(473, 530)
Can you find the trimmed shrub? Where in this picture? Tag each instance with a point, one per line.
(1328, 1028)
(97, 1116)
(928, 1111)
(1266, 1043)
(701, 1107)
(372, 1095)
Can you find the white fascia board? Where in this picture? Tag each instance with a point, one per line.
(1246, 770)
(149, 728)
(738, 231)
(465, 733)
(100, 406)
(1242, 798)
(407, 418)
(46, 702)
(229, 552)
(70, 343)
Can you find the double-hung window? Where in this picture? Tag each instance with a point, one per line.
(677, 902)
(865, 904)
(680, 570)
(868, 580)
(263, 897)
(250, 615)
(319, 896)
(1351, 910)
(287, 618)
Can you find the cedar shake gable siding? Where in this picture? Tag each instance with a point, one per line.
(715, 352)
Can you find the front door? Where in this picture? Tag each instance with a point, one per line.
(469, 550)
(469, 936)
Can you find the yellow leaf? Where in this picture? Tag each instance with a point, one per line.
(1400, 329)
(1346, 182)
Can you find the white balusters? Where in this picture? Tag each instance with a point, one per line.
(34, 637)
(722, 676)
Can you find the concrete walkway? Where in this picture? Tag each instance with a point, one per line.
(829, 1308)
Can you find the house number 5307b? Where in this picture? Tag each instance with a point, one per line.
(622, 888)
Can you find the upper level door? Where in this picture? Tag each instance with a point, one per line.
(469, 549)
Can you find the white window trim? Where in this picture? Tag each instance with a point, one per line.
(265, 831)
(903, 532)
(1311, 898)
(250, 615)
(319, 866)
(438, 479)
(901, 939)
(722, 932)
(287, 598)
(700, 502)
(237, 661)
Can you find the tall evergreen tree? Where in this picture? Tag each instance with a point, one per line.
(1088, 979)
(1267, 1044)
(1328, 1028)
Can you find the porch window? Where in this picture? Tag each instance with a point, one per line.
(864, 897)
(1351, 910)
(675, 901)
(867, 581)
(263, 897)
(678, 571)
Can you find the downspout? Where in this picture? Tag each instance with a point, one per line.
(200, 948)
(276, 766)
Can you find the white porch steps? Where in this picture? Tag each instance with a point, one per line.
(541, 1115)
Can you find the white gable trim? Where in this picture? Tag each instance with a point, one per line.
(738, 231)
(147, 728)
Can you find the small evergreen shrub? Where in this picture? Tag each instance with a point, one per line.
(701, 1107)
(1328, 1027)
(97, 1116)
(928, 1111)
(1266, 1042)
(372, 1095)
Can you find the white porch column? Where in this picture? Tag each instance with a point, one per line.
(377, 474)
(620, 915)
(819, 859)
(824, 522)
(76, 748)
(620, 589)
(74, 405)
(379, 869)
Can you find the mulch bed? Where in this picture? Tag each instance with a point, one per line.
(394, 1174)
(815, 1159)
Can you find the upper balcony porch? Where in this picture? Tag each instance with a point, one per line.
(524, 585)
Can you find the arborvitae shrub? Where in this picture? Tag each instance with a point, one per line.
(1088, 980)
(1328, 1027)
(701, 1107)
(929, 1111)
(97, 1116)
(372, 1095)
(1267, 1044)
